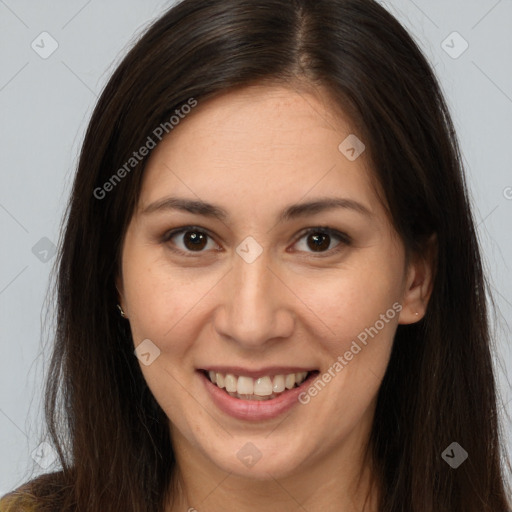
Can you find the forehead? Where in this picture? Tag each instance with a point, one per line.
(259, 145)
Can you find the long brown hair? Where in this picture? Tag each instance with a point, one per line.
(112, 437)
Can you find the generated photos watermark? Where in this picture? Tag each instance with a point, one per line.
(137, 156)
(343, 360)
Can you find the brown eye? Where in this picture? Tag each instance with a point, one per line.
(194, 240)
(320, 240)
(188, 240)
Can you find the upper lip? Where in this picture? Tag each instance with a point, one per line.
(256, 373)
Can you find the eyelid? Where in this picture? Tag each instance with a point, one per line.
(178, 231)
(343, 238)
(327, 230)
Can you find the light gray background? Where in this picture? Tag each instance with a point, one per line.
(45, 105)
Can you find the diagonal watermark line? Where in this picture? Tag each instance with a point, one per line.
(278, 425)
(374, 374)
(12, 280)
(487, 216)
(310, 189)
(492, 81)
(205, 294)
(194, 398)
(503, 406)
(486, 14)
(424, 14)
(14, 76)
(215, 488)
(301, 301)
(13, 423)
(79, 78)
(13, 218)
(14, 14)
(74, 16)
(165, 165)
(501, 295)
(312, 107)
(286, 491)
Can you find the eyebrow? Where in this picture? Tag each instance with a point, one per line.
(290, 212)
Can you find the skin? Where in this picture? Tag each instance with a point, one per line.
(253, 152)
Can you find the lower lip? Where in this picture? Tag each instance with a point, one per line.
(255, 410)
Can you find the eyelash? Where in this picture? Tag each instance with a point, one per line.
(343, 238)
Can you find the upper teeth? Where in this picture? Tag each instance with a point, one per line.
(263, 386)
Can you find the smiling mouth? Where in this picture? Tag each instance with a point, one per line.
(263, 388)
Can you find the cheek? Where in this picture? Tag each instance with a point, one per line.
(352, 299)
(357, 311)
(159, 297)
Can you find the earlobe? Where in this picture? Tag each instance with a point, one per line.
(419, 283)
(120, 296)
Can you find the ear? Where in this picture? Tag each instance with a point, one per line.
(419, 283)
(120, 291)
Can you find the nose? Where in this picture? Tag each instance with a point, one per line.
(256, 305)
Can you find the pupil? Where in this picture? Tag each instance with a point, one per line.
(321, 241)
(195, 238)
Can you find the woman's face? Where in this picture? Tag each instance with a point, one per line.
(244, 291)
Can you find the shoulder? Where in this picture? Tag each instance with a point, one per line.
(45, 492)
(19, 500)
